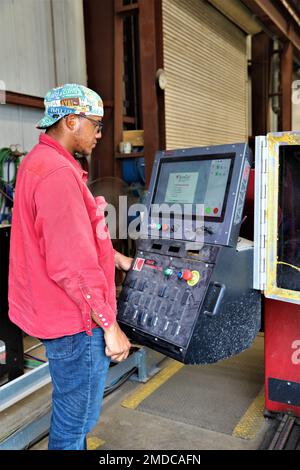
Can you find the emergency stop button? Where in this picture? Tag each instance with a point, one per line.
(187, 275)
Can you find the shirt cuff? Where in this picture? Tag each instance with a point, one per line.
(105, 315)
(93, 300)
(104, 312)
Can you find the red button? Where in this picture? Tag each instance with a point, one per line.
(216, 210)
(187, 275)
(165, 227)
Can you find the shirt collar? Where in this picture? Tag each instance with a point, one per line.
(47, 140)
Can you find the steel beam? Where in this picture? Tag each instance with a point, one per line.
(28, 434)
(17, 389)
(22, 386)
(260, 72)
(286, 85)
(99, 46)
(271, 16)
(148, 61)
(28, 383)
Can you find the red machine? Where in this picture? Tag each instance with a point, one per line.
(277, 264)
(282, 356)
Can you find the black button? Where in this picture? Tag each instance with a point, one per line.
(142, 285)
(127, 295)
(174, 329)
(163, 310)
(137, 299)
(175, 314)
(149, 321)
(140, 317)
(129, 313)
(173, 294)
(185, 298)
(162, 291)
(134, 314)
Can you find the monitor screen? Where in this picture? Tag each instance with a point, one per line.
(195, 180)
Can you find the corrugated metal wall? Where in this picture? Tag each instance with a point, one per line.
(42, 45)
(17, 126)
(205, 59)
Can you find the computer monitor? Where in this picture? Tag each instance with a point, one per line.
(206, 186)
(194, 181)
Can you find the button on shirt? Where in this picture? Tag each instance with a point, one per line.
(61, 256)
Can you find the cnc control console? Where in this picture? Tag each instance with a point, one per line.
(189, 293)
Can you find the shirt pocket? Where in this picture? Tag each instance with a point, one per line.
(59, 348)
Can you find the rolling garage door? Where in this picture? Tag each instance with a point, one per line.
(205, 61)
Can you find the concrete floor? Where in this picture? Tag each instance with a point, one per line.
(122, 428)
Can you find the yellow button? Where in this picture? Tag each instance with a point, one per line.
(195, 279)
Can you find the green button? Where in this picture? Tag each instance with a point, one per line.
(207, 210)
(158, 226)
(168, 272)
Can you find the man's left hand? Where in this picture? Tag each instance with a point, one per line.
(122, 262)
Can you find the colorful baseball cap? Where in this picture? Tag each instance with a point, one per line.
(70, 99)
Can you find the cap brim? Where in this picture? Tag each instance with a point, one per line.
(47, 122)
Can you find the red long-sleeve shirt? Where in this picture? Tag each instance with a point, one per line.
(61, 257)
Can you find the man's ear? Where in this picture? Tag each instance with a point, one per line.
(71, 122)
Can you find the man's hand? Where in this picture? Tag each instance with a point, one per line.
(117, 343)
(122, 262)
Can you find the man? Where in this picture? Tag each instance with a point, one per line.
(62, 264)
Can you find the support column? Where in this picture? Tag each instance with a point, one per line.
(99, 43)
(147, 34)
(286, 85)
(260, 73)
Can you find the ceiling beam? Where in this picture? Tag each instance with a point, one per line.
(275, 21)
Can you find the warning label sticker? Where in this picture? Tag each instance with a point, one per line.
(138, 265)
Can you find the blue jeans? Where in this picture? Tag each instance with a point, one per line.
(78, 368)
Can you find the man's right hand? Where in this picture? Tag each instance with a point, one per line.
(117, 343)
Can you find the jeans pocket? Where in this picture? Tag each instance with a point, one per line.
(59, 348)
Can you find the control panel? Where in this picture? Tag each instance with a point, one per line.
(189, 293)
(163, 295)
